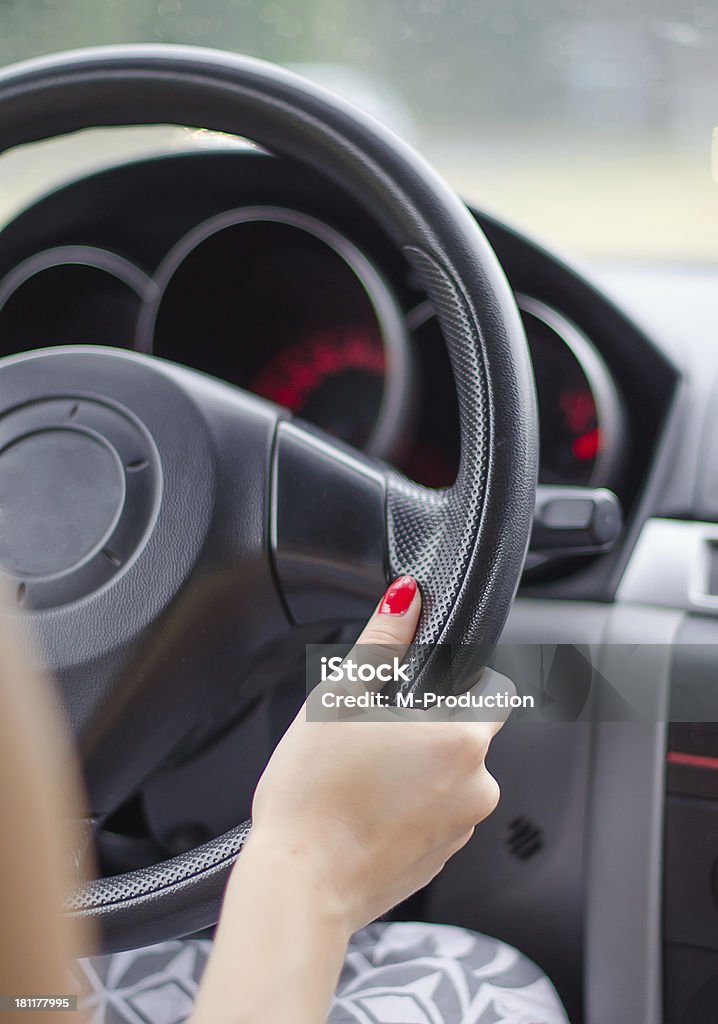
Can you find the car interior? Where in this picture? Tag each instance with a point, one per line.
(272, 320)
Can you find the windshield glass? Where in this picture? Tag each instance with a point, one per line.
(586, 121)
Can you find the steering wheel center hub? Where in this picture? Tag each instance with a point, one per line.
(61, 493)
(80, 482)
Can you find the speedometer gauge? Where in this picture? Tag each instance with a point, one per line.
(333, 378)
(280, 303)
(580, 415)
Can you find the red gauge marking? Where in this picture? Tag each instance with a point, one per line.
(587, 446)
(298, 371)
(692, 760)
(579, 410)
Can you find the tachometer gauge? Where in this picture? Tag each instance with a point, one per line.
(580, 416)
(333, 378)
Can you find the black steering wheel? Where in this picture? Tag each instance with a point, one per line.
(132, 488)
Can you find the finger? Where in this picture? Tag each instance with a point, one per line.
(386, 637)
(389, 632)
(497, 689)
(488, 703)
(396, 616)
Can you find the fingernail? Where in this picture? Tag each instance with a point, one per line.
(398, 597)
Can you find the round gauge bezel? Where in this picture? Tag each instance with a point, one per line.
(83, 257)
(398, 374)
(96, 258)
(610, 419)
(610, 414)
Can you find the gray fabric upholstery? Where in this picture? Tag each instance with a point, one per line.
(393, 974)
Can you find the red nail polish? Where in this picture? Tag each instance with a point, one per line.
(398, 597)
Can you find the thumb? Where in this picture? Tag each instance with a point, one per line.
(386, 636)
(396, 616)
(389, 632)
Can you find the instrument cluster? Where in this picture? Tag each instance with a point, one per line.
(285, 305)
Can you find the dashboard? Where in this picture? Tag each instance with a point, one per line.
(262, 274)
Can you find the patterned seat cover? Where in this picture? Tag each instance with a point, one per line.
(393, 974)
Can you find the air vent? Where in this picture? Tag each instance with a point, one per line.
(524, 838)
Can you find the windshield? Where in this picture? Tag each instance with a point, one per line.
(586, 121)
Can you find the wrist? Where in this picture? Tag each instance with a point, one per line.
(298, 870)
(281, 939)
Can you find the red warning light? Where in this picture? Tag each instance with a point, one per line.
(587, 446)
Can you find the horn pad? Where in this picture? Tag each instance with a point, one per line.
(78, 484)
(61, 492)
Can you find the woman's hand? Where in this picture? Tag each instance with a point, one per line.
(375, 808)
(349, 818)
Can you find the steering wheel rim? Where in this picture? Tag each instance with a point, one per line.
(466, 544)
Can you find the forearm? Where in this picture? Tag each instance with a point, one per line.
(38, 797)
(280, 944)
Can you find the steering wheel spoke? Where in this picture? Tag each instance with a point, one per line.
(328, 526)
